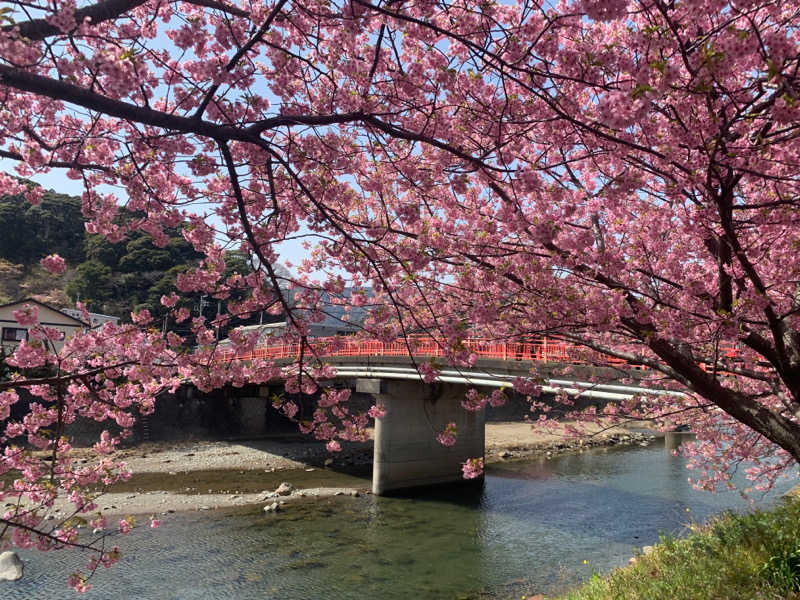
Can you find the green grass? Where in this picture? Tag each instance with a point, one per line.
(736, 557)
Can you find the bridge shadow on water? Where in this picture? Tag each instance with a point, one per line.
(466, 493)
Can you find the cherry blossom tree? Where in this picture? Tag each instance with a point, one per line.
(621, 174)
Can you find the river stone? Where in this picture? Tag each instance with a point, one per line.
(284, 489)
(274, 507)
(11, 566)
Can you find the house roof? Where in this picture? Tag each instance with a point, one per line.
(35, 301)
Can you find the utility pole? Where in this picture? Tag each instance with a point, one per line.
(219, 309)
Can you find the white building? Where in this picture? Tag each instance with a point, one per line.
(12, 333)
(96, 318)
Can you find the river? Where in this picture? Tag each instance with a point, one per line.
(536, 526)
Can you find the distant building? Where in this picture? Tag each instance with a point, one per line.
(265, 331)
(12, 333)
(337, 320)
(96, 318)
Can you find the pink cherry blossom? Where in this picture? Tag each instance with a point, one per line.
(28, 315)
(54, 263)
(472, 468)
(125, 525)
(169, 301)
(447, 437)
(377, 411)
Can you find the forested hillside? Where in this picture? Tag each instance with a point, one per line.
(29, 232)
(112, 279)
(133, 274)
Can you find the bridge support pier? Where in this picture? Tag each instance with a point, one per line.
(406, 452)
(674, 439)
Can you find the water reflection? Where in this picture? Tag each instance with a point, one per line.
(528, 530)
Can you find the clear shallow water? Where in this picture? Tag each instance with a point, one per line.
(527, 531)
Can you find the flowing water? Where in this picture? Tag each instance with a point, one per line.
(535, 527)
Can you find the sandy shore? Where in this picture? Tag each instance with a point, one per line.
(205, 475)
(162, 503)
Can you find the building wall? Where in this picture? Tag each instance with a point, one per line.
(9, 328)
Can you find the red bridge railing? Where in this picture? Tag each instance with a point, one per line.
(541, 350)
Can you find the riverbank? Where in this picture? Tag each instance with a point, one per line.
(510, 441)
(207, 475)
(756, 555)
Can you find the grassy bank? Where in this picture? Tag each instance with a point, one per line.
(746, 557)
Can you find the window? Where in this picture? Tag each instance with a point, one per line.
(14, 334)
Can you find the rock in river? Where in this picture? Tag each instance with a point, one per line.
(284, 489)
(10, 566)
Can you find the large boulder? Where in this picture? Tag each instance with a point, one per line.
(10, 566)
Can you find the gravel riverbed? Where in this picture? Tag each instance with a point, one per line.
(205, 475)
